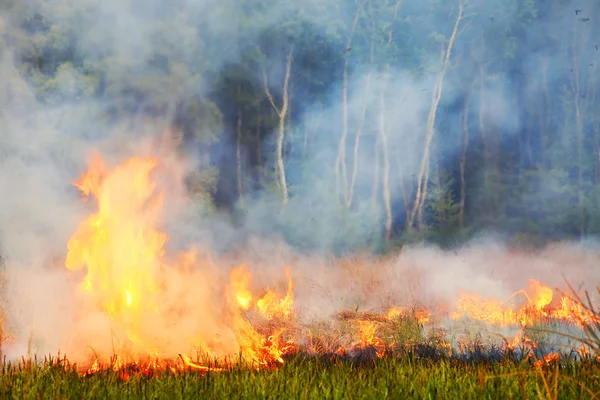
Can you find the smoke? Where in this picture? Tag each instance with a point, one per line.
(50, 126)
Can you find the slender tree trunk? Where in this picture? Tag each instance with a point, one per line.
(579, 132)
(484, 141)
(340, 171)
(547, 102)
(289, 145)
(530, 125)
(383, 133)
(541, 132)
(385, 181)
(595, 127)
(259, 160)
(463, 160)
(281, 131)
(238, 156)
(359, 129)
(423, 196)
(521, 149)
(376, 172)
(405, 196)
(340, 164)
(423, 175)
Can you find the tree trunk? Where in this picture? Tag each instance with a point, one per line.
(238, 157)
(363, 116)
(383, 133)
(579, 133)
(423, 174)
(385, 182)
(340, 164)
(548, 104)
(340, 171)
(463, 160)
(377, 162)
(259, 161)
(359, 131)
(281, 113)
(595, 128)
(289, 145)
(484, 140)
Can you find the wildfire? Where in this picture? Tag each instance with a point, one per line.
(131, 280)
(122, 251)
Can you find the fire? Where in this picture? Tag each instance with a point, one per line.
(121, 249)
(540, 304)
(240, 281)
(118, 244)
(368, 337)
(422, 316)
(270, 306)
(123, 253)
(261, 349)
(547, 360)
(541, 295)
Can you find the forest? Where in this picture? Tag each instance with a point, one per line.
(337, 125)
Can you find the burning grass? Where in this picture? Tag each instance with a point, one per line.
(400, 375)
(146, 322)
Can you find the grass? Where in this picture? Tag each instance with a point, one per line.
(301, 377)
(416, 365)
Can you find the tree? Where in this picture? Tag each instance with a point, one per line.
(423, 174)
(282, 114)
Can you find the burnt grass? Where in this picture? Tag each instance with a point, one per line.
(415, 371)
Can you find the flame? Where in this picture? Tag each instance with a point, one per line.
(270, 306)
(261, 350)
(547, 360)
(368, 337)
(123, 253)
(118, 244)
(538, 306)
(422, 316)
(240, 281)
(541, 295)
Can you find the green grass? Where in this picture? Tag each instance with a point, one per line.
(320, 378)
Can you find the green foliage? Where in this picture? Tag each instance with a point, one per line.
(442, 208)
(67, 84)
(202, 185)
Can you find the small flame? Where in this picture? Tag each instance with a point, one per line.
(240, 280)
(539, 300)
(270, 306)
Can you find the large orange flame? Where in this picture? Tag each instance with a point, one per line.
(123, 253)
(118, 244)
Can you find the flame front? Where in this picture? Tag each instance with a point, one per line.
(119, 244)
(138, 288)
